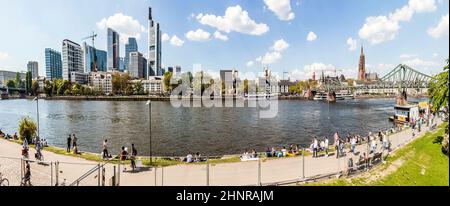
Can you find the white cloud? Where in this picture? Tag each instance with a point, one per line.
(308, 71)
(3, 56)
(126, 26)
(175, 41)
(198, 35)
(420, 64)
(311, 36)
(165, 37)
(441, 29)
(378, 29)
(407, 56)
(281, 8)
(250, 63)
(220, 36)
(435, 55)
(275, 52)
(235, 19)
(280, 45)
(421, 6)
(352, 44)
(270, 57)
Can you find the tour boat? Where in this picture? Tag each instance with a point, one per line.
(321, 96)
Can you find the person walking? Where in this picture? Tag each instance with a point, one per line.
(123, 158)
(105, 149)
(133, 157)
(336, 143)
(69, 141)
(315, 147)
(327, 144)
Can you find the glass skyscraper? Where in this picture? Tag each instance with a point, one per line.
(53, 64)
(113, 50)
(154, 47)
(72, 59)
(130, 47)
(89, 59)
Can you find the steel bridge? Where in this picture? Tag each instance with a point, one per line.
(401, 77)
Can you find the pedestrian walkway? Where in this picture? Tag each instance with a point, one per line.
(266, 172)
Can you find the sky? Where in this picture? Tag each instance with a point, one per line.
(291, 37)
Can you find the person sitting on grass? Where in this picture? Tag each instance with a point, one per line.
(75, 151)
(284, 151)
(189, 158)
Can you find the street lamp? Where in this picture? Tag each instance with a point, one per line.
(36, 99)
(149, 103)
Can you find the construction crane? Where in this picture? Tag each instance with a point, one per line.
(92, 37)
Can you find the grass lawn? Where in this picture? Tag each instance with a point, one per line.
(420, 163)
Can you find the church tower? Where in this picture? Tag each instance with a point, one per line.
(362, 66)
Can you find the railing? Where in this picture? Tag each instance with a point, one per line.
(98, 168)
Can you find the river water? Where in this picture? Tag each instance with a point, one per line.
(210, 131)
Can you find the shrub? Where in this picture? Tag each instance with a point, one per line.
(27, 129)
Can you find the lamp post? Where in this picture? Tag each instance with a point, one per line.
(149, 103)
(37, 114)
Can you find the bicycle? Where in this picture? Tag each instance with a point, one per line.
(3, 181)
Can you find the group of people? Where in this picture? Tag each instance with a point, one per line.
(319, 145)
(9, 137)
(197, 157)
(72, 144)
(125, 155)
(283, 152)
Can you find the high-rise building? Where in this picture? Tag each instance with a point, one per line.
(145, 66)
(154, 47)
(130, 47)
(72, 59)
(122, 66)
(53, 64)
(136, 67)
(113, 50)
(362, 66)
(177, 70)
(89, 59)
(33, 67)
(170, 69)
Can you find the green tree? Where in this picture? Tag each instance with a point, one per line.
(138, 88)
(27, 129)
(28, 82)
(48, 87)
(11, 84)
(120, 82)
(34, 87)
(76, 89)
(167, 84)
(245, 86)
(18, 82)
(439, 90)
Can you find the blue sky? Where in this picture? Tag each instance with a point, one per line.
(273, 33)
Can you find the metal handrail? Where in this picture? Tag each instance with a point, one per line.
(84, 176)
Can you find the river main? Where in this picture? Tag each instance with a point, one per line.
(210, 131)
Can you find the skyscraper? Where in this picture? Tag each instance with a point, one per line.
(72, 59)
(130, 47)
(113, 50)
(154, 48)
(136, 67)
(53, 64)
(122, 66)
(33, 67)
(88, 54)
(362, 66)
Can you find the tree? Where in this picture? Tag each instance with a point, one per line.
(76, 89)
(11, 84)
(27, 129)
(28, 82)
(167, 84)
(18, 81)
(48, 87)
(439, 90)
(120, 82)
(245, 86)
(138, 88)
(34, 87)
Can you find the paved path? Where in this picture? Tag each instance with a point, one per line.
(229, 174)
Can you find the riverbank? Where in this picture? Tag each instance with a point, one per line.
(274, 171)
(420, 163)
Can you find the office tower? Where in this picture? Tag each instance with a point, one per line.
(136, 67)
(170, 69)
(130, 47)
(122, 66)
(72, 59)
(53, 64)
(113, 50)
(362, 66)
(89, 59)
(33, 67)
(145, 66)
(177, 70)
(154, 48)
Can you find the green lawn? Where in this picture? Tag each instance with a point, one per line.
(423, 164)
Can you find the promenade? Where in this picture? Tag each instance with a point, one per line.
(264, 172)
